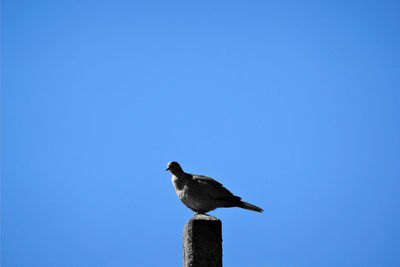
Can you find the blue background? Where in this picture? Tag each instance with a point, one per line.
(292, 105)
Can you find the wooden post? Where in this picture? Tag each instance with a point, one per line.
(202, 242)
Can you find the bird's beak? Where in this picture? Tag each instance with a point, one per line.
(167, 169)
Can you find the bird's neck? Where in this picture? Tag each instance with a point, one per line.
(179, 174)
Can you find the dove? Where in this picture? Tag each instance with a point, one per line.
(202, 194)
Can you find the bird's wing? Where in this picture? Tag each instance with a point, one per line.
(205, 179)
(216, 189)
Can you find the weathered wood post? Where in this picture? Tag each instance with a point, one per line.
(202, 242)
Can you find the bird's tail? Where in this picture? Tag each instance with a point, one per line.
(248, 206)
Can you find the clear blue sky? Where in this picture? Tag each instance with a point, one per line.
(292, 105)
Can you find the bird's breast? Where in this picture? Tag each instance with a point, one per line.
(181, 189)
(178, 183)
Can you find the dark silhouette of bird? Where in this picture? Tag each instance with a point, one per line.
(202, 193)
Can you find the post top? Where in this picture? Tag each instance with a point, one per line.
(203, 217)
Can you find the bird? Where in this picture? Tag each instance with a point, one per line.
(202, 194)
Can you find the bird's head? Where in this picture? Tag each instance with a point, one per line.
(174, 167)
